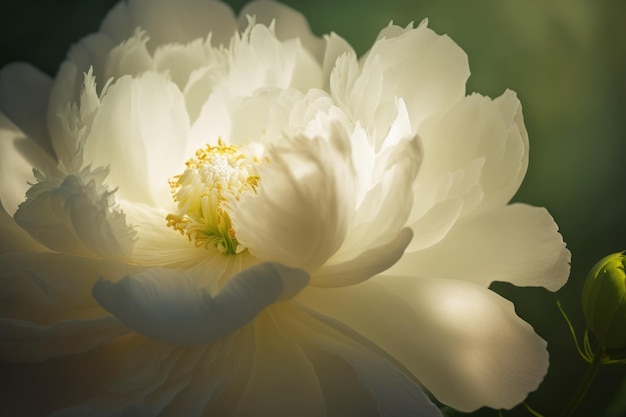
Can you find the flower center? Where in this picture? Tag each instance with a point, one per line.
(217, 174)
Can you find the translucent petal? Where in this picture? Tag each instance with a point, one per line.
(288, 23)
(387, 204)
(336, 46)
(517, 243)
(305, 198)
(478, 129)
(297, 383)
(168, 304)
(140, 131)
(14, 238)
(462, 341)
(276, 63)
(79, 209)
(45, 288)
(367, 264)
(131, 57)
(380, 386)
(28, 342)
(18, 156)
(24, 92)
(167, 22)
(427, 70)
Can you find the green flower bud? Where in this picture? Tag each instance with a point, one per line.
(604, 301)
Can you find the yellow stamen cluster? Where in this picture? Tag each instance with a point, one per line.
(215, 175)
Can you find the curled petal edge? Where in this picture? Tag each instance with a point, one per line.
(167, 304)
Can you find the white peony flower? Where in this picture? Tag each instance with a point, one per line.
(232, 216)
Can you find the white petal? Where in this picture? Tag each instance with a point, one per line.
(65, 90)
(270, 114)
(282, 380)
(517, 243)
(79, 209)
(140, 131)
(181, 60)
(336, 46)
(427, 70)
(365, 265)
(394, 31)
(90, 54)
(478, 128)
(28, 342)
(24, 92)
(305, 200)
(148, 377)
(378, 385)
(439, 204)
(131, 57)
(18, 156)
(288, 23)
(168, 304)
(462, 341)
(265, 115)
(157, 244)
(213, 121)
(46, 307)
(387, 204)
(168, 22)
(276, 63)
(45, 288)
(14, 238)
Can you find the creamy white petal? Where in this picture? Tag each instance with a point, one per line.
(276, 63)
(377, 384)
(198, 88)
(71, 113)
(91, 51)
(427, 70)
(45, 288)
(14, 238)
(358, 94)
(305, 201)
(478, 129)
(289, 24)
(439, 203)
(282, 380)
(89, 55)
(386, 206)
(65, 90)
(462, 341)
(81, 210)
(364, 266)
(157, 244)
(23, 341)
(131, 57)
(18, 156)
(517, 243)
(265, 115)
(140, 132)
(223, 87)
(270, 114)
(147, 377)
(213, 121)
(394, 31)
(24, 92)
(181, 60)
(168, 22)
(169, 305)
(336, 46)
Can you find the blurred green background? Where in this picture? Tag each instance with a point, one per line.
(566, 59)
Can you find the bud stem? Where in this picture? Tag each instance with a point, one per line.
(596, 361)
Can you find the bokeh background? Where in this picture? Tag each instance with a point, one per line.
(566, 59)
